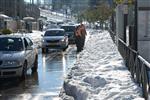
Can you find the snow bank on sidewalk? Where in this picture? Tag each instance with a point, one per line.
(100, 73)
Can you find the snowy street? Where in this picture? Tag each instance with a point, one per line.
(100, 73)
(74, 49)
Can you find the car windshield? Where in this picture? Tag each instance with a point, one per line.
(69, 28)
(11, 44)
(54, 33)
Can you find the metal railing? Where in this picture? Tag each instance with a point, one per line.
(137, 65)
(112, 34)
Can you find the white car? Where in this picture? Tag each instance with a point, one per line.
(17, 54)
(54, 39)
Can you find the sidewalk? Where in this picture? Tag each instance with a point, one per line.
(100, 73)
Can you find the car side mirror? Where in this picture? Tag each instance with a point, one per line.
(42, 35)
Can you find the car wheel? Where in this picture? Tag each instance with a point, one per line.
(24, 71)
(35, 66)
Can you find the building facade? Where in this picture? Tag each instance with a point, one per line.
(56, 4)
(12, 8)
(17, 9)
(133, 26)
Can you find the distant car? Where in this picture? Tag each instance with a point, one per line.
(54, 39)
(51, 26)
(70, 30)
(59, 23)
(17, 54)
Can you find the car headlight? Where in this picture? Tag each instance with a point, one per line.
(11, 63)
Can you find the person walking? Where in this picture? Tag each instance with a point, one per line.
(78, 38)
(83, 35)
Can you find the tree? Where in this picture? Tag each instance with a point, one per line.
(100, 14)
(123, 1)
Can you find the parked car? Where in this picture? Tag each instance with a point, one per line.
(54, 39)
(17, 55)
(70, 30)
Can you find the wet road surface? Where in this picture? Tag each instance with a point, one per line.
(46, 83)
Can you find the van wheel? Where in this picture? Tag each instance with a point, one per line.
(35, 65)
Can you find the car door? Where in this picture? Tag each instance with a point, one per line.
(29, 52)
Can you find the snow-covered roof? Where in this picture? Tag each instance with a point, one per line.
(2, 16)
(29, 18)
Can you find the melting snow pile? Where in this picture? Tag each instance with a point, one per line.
(100, 73)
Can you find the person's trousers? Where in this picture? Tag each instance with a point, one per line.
(82, 42)
(79, 43)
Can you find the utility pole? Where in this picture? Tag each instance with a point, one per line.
(136, 25)
(38, 2)
(125, 12)
(44, 1)
(32, 2)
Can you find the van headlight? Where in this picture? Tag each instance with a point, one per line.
(12, 63)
